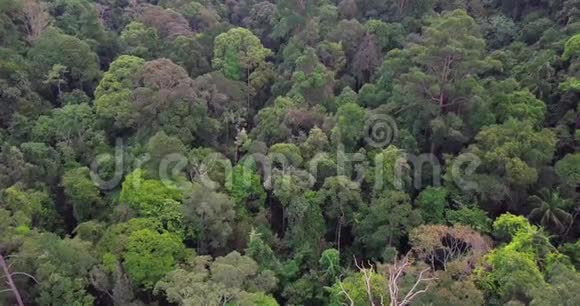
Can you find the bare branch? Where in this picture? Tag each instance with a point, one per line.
(10, 281)
(395, 271)
(343, 291)
(26, 274)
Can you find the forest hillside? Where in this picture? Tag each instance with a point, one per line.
(289, 152)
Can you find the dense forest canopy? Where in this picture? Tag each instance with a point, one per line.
(289, 152)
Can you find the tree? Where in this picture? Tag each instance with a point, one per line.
(433, 203)
(262, 253)
(60, 267)
(395, 272)
(568, 169)
(508, 225)
(53, 48)
(389, 35)
(391, 170)
(520, 105)
(288, 152)
(113, 95)
(34, 206)
(517, 166)
(268, 121)
(56, 76)
(169, 101)
(150, 255)
(10, 281)
(168, 23)
(73, 131)
(245, 187)
(293, 16)
(350, 124)
(572, 47)
(78, 18)
(140, 40)
(455, 286)
(190, 53)
(439, 245)
(385, 222)
(363, 287)
(312, 81)
(330, 263)
(261, 20)
(513, 274)
(439, 89)
(472, 216)
(154, 199)
(163, 149)
(340, 200)
(551, 209)
(230, 279)
(562, 287)
(367, 59)
(82, 194)
(211, 215)
(238, 47)
(35, 19)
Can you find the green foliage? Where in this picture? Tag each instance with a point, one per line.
(150, 255)
(148, 197)
(474, 217)
(356, 286)
(514, 274)
(433, 203)
(55, 48)
(572, 47)
(245, 187)
(516, 148)
(73, 131)
(507, 226)
(388, 219)
(36, 206)
(330, 263)
(312, 81)
(340, 200)
(211, 215)
(521, 105)
(261, 252)
(162, 97)
(82, 194)
(551, 209)
(145, 194)
(568, 169)
(288, 153)
(231, 278)
(140, 40)
(162, 150)
(61, 267)
(113, 96)
(350, 123)
(78, 18)
(238, 49)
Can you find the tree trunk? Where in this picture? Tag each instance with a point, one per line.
(10, 281)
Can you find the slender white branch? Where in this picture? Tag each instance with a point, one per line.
(26, 274)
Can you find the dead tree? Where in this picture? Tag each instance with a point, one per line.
(10, 280)
(394, 273)
(34, 18)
